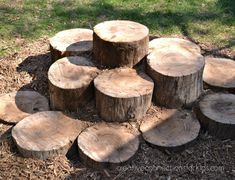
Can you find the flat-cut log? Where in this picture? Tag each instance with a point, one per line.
(71, 83)
(123, 94)
(15, 106)
(120, 43)
(170, 129)
(71, 42)
(45, 134)
(106, 145)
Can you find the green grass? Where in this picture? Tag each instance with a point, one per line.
(206, 21)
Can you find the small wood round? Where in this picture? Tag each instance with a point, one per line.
(71, 83)
(46, 134)
(175, 43)
(120, 43)
(15, 106)
(220, 73)
(216, 112)
(170, 129)
(123, 94)
(71, 42)
(177, 76)
(105, 145)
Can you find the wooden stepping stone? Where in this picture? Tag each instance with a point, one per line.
(71, 42)
(71, 83)
(123, 94)
(170, 129)
(15, 106)
(219, 73)
(106, 145)
(175, 43)
(120, 43)
(216, 112)
(45, 134)
(177, 76)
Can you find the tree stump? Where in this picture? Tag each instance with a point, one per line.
(105, 145)
(123, 94)
(71, 83)
(17, 105)
(219, 73)
(176, 43)
(71, 42)
(177, 76)
(216, 113)
(120, 43)
(170, 129)
(46, 134)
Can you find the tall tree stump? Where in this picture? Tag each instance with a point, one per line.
(71, 42)
(15, 106)
(71, 83)
(176, 43)
(46, 134)
(216, 113)
(177, 76)
(120, 43)
(219, 73)
(170, 129)
(105, 145)
(123, 94)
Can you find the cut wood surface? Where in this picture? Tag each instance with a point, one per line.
(71, 82)
(120, 43)
(106, 145)
(15, 106)
(177, 76)
(46, 134)
(220, 73)
(123, 94)
(71, 42)
(175, 43)
(171, 129)
(216, 112)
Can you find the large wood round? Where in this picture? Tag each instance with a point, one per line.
(105, 145)
(219, 73)
(216, 112)
(46, 134)
(17, 105)
(71, 83)
(175, 43)
(71, 42)
(170, 129)
(120, 43)
(123, 94)
(177, 76)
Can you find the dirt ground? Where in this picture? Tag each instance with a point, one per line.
(208, 158)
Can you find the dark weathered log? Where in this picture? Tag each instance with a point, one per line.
(123, 94)
(120, 43)
(46, 134)
(71, 83)
(17, 105)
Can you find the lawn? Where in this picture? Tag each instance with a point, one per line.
(205, 21)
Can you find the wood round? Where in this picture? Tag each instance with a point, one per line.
(123, 94)
(120, 43)
(46, 134)
(177, 76)
(106, 145)
(170, 129)
(15, 106)
(71, 42)
(220, 73)
(175, 43)
(216, 112)
(71, 82)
